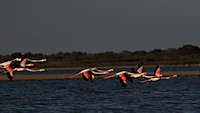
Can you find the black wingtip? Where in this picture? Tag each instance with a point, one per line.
(141, 64)
(133, 70)
(10, 77)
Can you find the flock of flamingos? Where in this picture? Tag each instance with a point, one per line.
(24, 64)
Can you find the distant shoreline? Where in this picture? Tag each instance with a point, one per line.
(68, 68)
(64, 76)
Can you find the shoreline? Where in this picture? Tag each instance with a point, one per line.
(102, 67)
(64, 76)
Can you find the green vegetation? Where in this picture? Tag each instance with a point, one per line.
(186, 55)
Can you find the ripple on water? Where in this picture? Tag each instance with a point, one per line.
(175, 95)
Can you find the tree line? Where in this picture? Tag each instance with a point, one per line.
(185, 55)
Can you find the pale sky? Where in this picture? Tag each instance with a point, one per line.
(93, 26)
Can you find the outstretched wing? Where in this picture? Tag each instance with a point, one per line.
(123, 83)
(122, 79)
(133, 70)
(15, 64)
(128, 77)
(77, 73)
(140, 68)
(157, 70)
(10, 75)
(23, 62)
(9, 72)
(86, 75)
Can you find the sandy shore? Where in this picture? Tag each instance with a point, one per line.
(63, 76)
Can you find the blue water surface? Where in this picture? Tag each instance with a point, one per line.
(176, 95)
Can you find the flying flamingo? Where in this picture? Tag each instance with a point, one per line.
(125, 75)
(22, 66)
(5, 64)
(157, 76)
(16, 65)
(90, 73)
(138, 72)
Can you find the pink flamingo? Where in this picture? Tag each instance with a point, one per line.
(90, 73)
(124, 75)
(13, 65)
(157, 76)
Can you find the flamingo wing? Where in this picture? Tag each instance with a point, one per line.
(9, 72)
(10, 75)
(86, 75)
(23, 62)
(92, 76)
(8, 68)
(140, 68)
(157, 70)
(128, 77)
(123, 80)
(81, 72)
(133, 70)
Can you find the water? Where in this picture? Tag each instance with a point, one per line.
(146, 69)
(176, 95)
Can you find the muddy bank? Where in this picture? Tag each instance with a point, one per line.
(64, 76)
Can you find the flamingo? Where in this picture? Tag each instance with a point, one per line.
(23, 66)
(5, 64)
(16, 65)
(90, 73)
(125, 75)
(157, 76)
(8, 69)
(23, 63)
(138, 72)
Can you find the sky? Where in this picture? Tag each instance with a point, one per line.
(93, 26)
